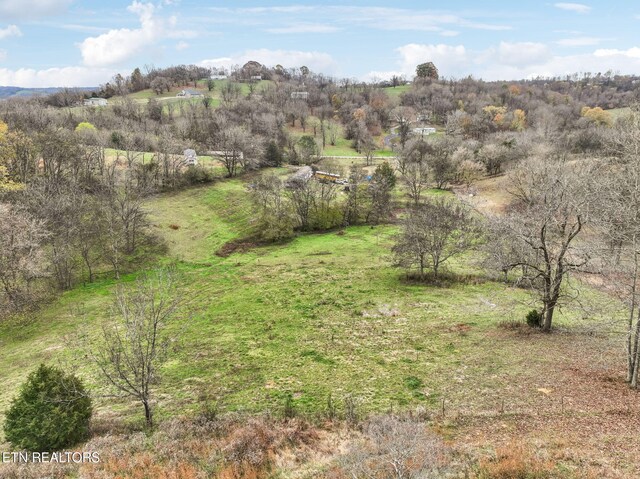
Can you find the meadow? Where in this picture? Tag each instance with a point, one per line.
(323, 316)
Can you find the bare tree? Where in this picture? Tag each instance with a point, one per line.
(398, 448)
(434, 232)
(21, 254)
(617, 218)
(273, 219)
(382, 183)
(234, 141)
(136, 342)
(549, 213)
(416, 179)
(358, 199)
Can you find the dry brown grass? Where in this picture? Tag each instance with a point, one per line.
(515, 461)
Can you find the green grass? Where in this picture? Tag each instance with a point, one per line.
(113, 153)
(206, 218)
(618, 112)
(394, 92)
(202, 87)
(325, 314)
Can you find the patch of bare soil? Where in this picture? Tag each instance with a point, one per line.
(237, 246)
(575, 407)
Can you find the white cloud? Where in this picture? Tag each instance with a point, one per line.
(304, 28)
(573, 7)
(509, 61)
(182, 46)
(28, 9)
(382, 18)
(117, 46)
(316, 61)
(630, 53)
(10, 31)
(522, 53)
(405, 19)
(55, 77)
(579, 41)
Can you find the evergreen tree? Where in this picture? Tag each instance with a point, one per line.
(52, 411)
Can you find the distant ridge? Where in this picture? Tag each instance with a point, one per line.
(14, 91)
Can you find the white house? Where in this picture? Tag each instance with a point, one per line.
(424, 131)
(96, 102)
(218, 77)
(190, 93)
(299, 95)
(190, 157)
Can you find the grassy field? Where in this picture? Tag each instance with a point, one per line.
(202, 88)
(324, 315)
(395, 92)
(210, 163)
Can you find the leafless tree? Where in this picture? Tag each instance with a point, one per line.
(397, 448)
(21, 254)
(434, 232)
(274, 216)
(416, 180)
(541, 227)
(358, 199)
(135, 343)
(617, 217)
(233, 141)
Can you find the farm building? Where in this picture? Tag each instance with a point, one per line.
(324, 176)
(190, 93)
(299, 95)
(96, 102)
(190, 157)
(300, 177)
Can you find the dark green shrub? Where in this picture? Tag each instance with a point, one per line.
(273, 155)
(52, 411)
(534, 318)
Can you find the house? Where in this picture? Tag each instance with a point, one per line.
(96, 102)
(424, 131)
(299, 95)
(190, 94)
(190, 157)
(218, 77)
(256, 77)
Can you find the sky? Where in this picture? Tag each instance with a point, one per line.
(85, 42)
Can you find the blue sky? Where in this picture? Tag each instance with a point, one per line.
(85, 42)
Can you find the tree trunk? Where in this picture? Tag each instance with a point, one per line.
(148, 414)
(548, 317)
(631, 351)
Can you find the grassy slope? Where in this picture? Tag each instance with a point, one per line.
(202, 87)
(324, 314)
(397, 91)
